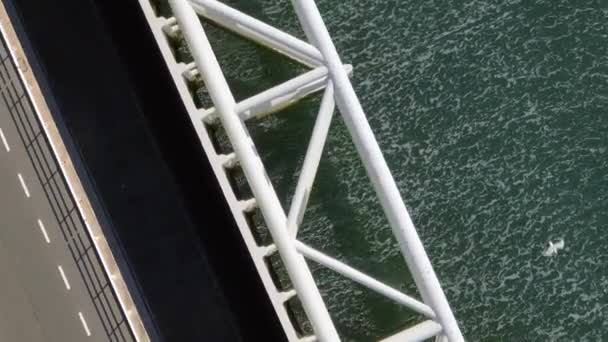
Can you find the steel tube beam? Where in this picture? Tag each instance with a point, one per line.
(280, 96)
(253, 168)
(418, 333)
(258, 31)
(311, 161)
(378, 171)
(364, 280)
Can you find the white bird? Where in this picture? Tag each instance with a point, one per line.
(553, 247)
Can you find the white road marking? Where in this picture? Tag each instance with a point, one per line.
(65, 279)
(4, 141)
(46, 236)
(84, 324)
(27, 192)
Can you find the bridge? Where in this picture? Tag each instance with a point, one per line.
(96, 177)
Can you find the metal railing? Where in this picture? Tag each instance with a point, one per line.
(330, 75)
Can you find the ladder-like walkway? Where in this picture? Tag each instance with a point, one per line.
(327, 74)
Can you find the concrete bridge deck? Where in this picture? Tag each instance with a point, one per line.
(163, 216)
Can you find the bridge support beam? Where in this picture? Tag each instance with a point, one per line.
(378, 171)
(253, 168)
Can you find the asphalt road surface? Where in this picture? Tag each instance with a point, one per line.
(42, 295)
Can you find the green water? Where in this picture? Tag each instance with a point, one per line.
(493, 116)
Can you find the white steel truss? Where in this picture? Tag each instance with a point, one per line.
(327, 74)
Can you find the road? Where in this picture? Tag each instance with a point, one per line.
(43, 296)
